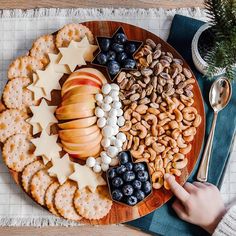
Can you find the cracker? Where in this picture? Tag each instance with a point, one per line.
(92, 206)
(39, 184)
(12, 122)
(42, 46)
(24, 67)
(74, 32)
(16, 95)
(64, 201)
(28, 173)
(18, 152)
(49, 197)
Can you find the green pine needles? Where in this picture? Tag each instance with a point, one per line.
(222, 15)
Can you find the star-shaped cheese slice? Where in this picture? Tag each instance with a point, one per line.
(43, 114)
(90, 49)
(36, 126)
(48, 79)
(54, 61)
(37, 91)
(61, 168)
(85, 177)
(72, 56)
(46, 146)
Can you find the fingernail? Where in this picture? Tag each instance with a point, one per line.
(166, 175)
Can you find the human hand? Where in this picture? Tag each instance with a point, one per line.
(197, 203)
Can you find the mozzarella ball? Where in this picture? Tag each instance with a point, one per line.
(114, 162)
(107, 131)
(112, 151)
(114, 94)
(121, 136)
(98, 160)
(119, 112)
(101, 122)
(112, 113)
(115, 130)
(115, 87)
(90, 162)
(116, 105)
(99, 97)
(106, 159)
(99, 112)
(112, 121)
(106, 142)
(105, 167)
(106, 107)
(108, 99)
(121, 121)
(118, 143)
(97, 168)
(106, 88)
(112, 139)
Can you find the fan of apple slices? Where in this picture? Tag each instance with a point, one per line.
(79, 134)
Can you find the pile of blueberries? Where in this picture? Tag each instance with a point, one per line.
(116, 53)
(129, 182)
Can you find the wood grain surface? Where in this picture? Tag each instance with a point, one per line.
(28, 4)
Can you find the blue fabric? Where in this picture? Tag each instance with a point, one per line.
(164, 221)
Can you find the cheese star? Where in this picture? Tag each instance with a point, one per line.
(72, 56)
(37, 91)
(90, 49)
(85, 177)
(59, 68)
(36, 126)
(48, 79)
(43, 114)
(46, 146)
(61, 168)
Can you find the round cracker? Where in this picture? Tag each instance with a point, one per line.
(74, 32)
(42, 46)
(64, 201)
(24, 67)
(12, 122)
(28, 173)
(39, 184)
(16, 95)
(92, 206)
(18, 152)
(49, 197)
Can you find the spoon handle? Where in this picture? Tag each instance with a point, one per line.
(203, 170)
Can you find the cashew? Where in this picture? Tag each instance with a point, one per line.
(166, 185)
(182, 126)
(188, 116)
(166, 127)
(126, 127)
(160, 130)
(152, 154)
(187, 101)
(146, 155)
(125, 145)
(141, 160)
(138, 153)
(186, 150)
(134, 105)
(135, 143)
(175, 172)
(178, 115)
(164, 121)
(180, 142)
(144, 123)
(141, 109)
(175, 150)
(166, 160)
(190, 110)
(130, 140)
(180, 164)
(178, 156)
(168, 167)
(153, 119)
(149, 140)
(165, 143)
(153, 111)
(127, 114)
(175, 133)
(173, 124)
(133, 132)
(188, 138)
(197, 120)
(136, 115)
(163, 115)
(189, 131)
(157, 180)
(164, 153)
(181, 106)
(188, 123)
(158, 148)
(143, 131)
(134, 121)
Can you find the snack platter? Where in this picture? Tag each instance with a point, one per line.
(94, 116)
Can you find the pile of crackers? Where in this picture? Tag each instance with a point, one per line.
(29, 137)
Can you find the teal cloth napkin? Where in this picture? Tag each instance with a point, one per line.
(164, 221)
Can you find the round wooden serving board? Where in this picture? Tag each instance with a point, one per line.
(121, 213)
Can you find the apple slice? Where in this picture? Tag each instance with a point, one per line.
(73, 134)
(80, 123)
(81, 77)
(82, 146)
(81, 89)
(75, 115)
(83, 155)
(79, 98)
(72, 108)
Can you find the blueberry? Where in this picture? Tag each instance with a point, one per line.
(137, 184)
(121, 169)
(117, 182)
(129, 64)
(142, 175)
(113, 67)
(139, 194)
(111, 55)
(127, 190)
(146, 187)
(105, 44)
(130, 48)
(138, 166)
(117, 47)
(132, 200)
(120, 38)
(102, 58)
(121, 56)
(129, 166)
(123, 157)
(117, 195)
(128, 176)
(111, 173)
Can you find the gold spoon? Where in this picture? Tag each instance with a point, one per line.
(219, 96)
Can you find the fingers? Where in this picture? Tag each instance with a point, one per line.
(201, 185)
(180, 210)
(190, 187)
(176, 189)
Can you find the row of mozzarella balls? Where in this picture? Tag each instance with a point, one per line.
(110, 118)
